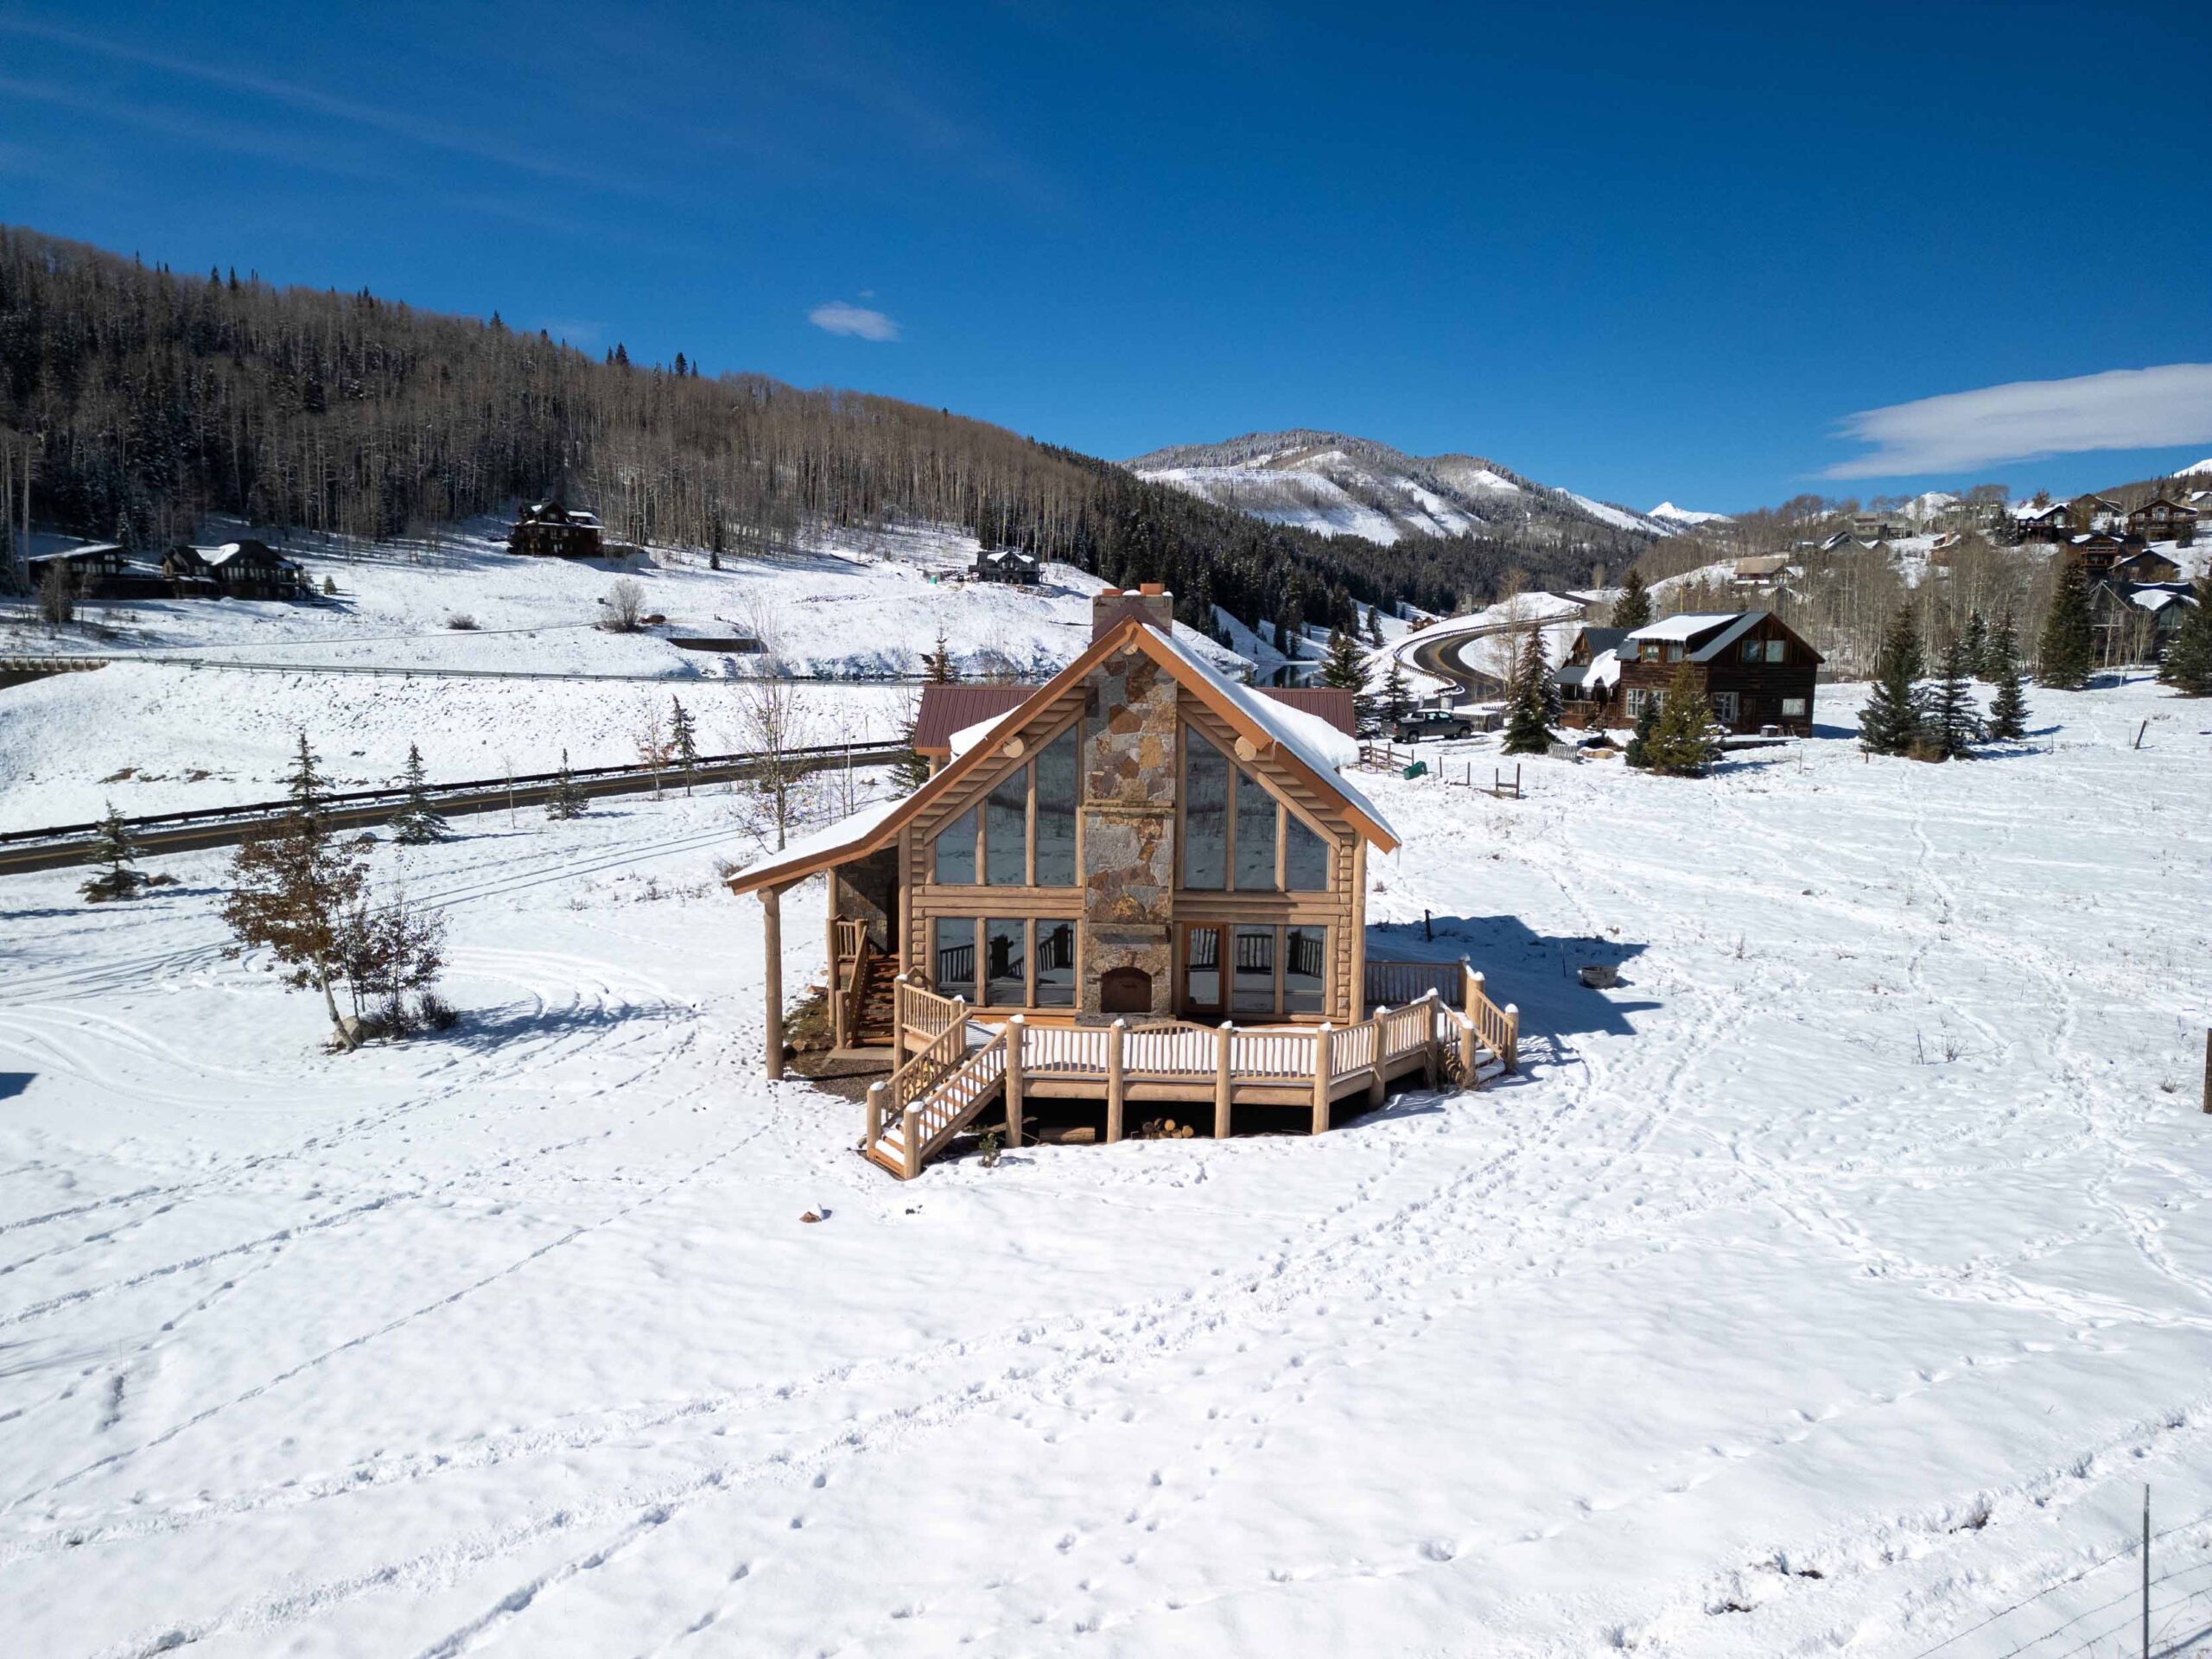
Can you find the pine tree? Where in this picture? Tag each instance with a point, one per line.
(2008, 710)
(1396, 697)
(1374, 628)
(1528, 727)
(568, 800)
(418, 821)
(2066, 649)
(305, 785)
(292, 890)
(1952, 724)
(1632, 610)
(937, 666)
(2187, 665)
(1346, 666)
(683, 739)
(118, 854)
(1977, 645)
(910, 768)
(1681, 744)
(1891, 721)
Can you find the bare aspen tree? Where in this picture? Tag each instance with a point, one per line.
(772, 723)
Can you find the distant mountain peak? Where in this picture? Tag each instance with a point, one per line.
(1340, 485)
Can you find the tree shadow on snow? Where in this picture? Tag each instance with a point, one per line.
(14, 1083)
(1535, 972)
(484, 1030)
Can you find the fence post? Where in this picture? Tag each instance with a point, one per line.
(910, 1132)
(1015, 1030)
(1114, 1080)
(1321, 1041)
(1380, 1021)
(1512, 1036)
(1226, 1036)
(875, 1093)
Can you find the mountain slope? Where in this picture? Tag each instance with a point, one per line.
(1343, 485)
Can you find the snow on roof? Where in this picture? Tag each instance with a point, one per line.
(828, 839)
(1605, 670)
(2028, 510)
(1686, 626)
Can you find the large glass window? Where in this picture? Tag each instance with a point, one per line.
(956, 957)
(1055, 964)
(1305, 969)
(1255, 837)
(956, 852)
(1006, 832)
(1005, 975)
(1304, 856)
(1202, 968)
(1205, 813)
(1252, 981)
(1057, 792)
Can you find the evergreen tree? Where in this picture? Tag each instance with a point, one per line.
(910, 768)
(118, 853)
(2187, 665)
(1953, 724)
(418, 821)
(305, 785)
(1346, 666)
(683, 739)
(2066, 650)
(2008, 710)
(1632, 610)
(1528, 726)
(1374, 628)
(292, 890)
(568, 800)
(1681, 744)
(1891, 721)
(1536, 667)
(1977, 644)
(937, 666)
(1397, 698)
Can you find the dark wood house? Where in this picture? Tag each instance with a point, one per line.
(553, 530)
(2144, 564)
(1753, 668)
(1009, 564)
(92, 569)
(1141, 881)
(2052, 522)
(240, 569)
(2096, 552)
(2162, 519)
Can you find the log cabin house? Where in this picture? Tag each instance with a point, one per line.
(2162, 519)
(1138, 882)
(2052, 522)
(555, 530)
(239, 570)
(1009, 564)
(1753, 668)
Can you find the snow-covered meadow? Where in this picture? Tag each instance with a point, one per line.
(1830, 1285)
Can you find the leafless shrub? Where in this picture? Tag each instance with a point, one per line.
(625, 604)
(462, 622)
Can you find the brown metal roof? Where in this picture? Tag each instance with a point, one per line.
(947, 709)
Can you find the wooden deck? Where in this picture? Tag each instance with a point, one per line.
(963, 1065)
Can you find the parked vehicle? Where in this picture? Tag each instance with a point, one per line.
(1418, 723)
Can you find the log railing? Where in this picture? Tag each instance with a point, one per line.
(852, 994)
(846, 939)
(918, 1011)
(1393, 984)
(1498, 1028)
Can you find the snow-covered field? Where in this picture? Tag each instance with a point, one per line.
(1831, 1286)
(153, 733)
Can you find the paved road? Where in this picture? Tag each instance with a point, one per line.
(164, 833)
(1439, 656)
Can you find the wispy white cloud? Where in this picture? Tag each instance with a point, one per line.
(2120, 408)
(838, 318)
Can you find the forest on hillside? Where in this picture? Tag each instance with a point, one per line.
(147, 399)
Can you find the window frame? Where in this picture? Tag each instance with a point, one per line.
(979, 808)
(1232, 805)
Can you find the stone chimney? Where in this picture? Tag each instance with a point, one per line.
(1151, 602)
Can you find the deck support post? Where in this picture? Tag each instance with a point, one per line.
(1114, 1079)
(1321, 1044)
(1015, 1029)
(1223, 1039)
(839, 1035)
(772, 930)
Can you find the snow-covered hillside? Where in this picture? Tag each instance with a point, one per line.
(1835, 1285)
(1668, 511)
(152, 733)
(1344, 485)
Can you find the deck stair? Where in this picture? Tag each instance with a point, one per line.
(872, 1026)
(914, 1114)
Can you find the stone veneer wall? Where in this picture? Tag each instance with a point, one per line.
(1130, 770)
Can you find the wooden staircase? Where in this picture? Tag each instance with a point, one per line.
(915, 1114)
(872, 1024)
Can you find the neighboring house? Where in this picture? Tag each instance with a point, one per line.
(2096, 552)
(91, 567)
(1753, 668)
(239, 570)
(1134, 854)
(1879, 526)
(2051, 523)
(1844, 541)
(552, 529)
(2134, 621)
(1766, 570)
(1008, 564)
(2096, 512)
(2144, 564)
(2162, 519)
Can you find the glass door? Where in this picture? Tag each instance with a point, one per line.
(1202, 980)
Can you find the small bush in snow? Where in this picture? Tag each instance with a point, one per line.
(462, 622)
(625, 607)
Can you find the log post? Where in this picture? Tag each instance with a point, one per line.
(1429, 1056)
(910, 1133)
(1512, 1035)
(1114, 1079)
(839, 1035)
(1227, 1035)
(875, 1094)
(898, 1023)
(1015, 1029)
(1321, 1039)
(772, 930)
(1470, 1054)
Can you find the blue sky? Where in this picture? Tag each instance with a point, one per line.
(1646, 252)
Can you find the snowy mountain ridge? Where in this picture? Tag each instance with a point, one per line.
(1344, 485)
